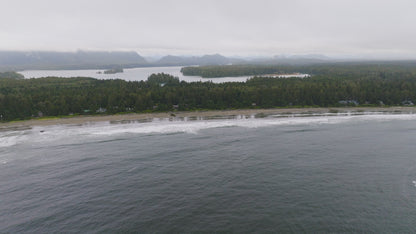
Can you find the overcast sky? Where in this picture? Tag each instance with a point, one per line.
(384, 28)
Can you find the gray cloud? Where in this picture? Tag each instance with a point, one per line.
(261, 27)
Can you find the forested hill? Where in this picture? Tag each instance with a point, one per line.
(333, 86)
(16, 60)
(11, 75)
(19, 60)
(44, 60)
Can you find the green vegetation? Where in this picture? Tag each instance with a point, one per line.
(11, 75)
(352, 69)
(114, 71)
(236, 70)
(329, 86)
(163, 79)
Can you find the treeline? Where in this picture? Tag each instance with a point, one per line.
(236, 70)
(11, 75)
(26, 98)
(351, 69)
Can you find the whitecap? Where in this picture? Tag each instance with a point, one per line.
(70, 134)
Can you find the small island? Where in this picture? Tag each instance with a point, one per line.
(114, 71)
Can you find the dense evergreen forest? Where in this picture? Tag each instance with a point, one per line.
(11, 75)
(331, 85)
(351, 68)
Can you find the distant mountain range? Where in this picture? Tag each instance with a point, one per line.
(214, 59)
(21, 60)
(16, 60)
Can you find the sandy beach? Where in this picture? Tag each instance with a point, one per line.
(194, 114)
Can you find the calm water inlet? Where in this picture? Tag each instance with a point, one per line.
(136, 74)
(131, 74)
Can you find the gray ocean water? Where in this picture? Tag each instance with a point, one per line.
(314, 174)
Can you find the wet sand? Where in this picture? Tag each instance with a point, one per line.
(194, 114)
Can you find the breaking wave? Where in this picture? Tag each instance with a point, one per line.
(80, 133)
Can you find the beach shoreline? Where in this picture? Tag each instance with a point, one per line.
(79, 120)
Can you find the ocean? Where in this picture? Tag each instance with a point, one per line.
(240, 174)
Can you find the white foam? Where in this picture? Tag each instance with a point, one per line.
(81, 134)
(9, 138)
